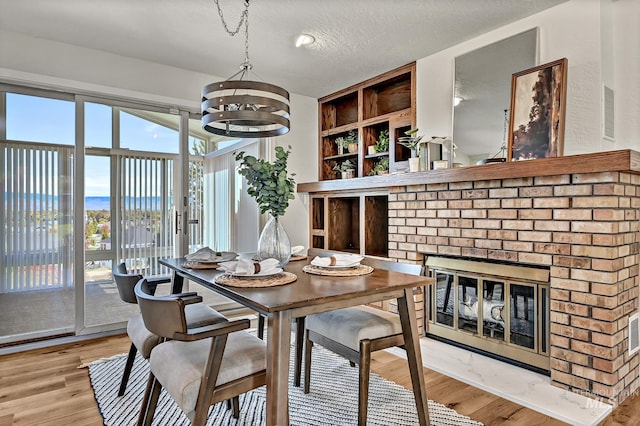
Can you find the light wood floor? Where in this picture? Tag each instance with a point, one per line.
(47, 387)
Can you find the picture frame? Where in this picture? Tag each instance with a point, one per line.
(536, 118)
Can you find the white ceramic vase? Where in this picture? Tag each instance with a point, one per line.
(414, 164)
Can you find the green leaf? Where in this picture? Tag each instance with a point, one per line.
(268, 182)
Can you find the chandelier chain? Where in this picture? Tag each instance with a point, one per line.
(239, 107)
(244, 19)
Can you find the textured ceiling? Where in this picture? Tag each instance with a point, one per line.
(356, 39)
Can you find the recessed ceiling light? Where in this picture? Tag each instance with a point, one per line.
(305, 40)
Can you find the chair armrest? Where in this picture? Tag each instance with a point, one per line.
(159, 280)
(213, 330)
(188, 298)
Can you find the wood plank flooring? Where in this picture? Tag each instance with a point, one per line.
(49, 387)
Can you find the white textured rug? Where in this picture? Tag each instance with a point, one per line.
(333, 399)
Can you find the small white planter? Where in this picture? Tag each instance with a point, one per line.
(414, 164)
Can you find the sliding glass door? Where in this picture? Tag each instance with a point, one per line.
(37, 196)
(129, 194)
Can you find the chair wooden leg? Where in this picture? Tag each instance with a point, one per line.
(308, 345)
(143, 417)
(363, 390)
(299, 346)
(261, 326)
(127, 369)
(153, 402)
(236, 407)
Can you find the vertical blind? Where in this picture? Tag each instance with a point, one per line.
(196, 204)
(147, 231)
(36, 245)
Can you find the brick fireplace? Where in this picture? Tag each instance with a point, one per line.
(577, 216)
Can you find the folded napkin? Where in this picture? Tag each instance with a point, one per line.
(249, 267)
(205, 254)
(298, 251)
(344, 260)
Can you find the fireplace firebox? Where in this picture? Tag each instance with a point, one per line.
(500, 309)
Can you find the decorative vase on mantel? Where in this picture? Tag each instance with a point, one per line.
(414, 162)
(274, 242)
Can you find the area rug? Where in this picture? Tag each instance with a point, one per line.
(333, 399)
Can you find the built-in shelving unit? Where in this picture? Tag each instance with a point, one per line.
(386, 102)
(350, 222)
(357, 221)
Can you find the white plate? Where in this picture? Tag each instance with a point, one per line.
(257, 276)
(224, 257)
(349, 266)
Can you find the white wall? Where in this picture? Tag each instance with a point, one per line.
(626, 72)
(303, 161)
(32, 61)
(580, 31)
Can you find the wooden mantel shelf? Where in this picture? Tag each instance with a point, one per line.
(610, 161)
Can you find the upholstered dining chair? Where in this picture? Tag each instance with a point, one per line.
(141, 338)
(355, 332)
(197, 366)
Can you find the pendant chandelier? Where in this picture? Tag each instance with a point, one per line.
(239, 107)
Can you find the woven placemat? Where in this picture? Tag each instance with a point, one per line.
(198, 265)
(297, 258)
(278, 279)
(351, 272)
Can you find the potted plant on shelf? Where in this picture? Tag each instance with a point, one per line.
(382, 144)
(347, 169)
(350, 142)
(341, 143)
(412, 140)
(381, 167)
(271, 186)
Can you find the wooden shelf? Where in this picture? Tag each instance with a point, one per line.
(352, 223)
(339, 110)
(385, 102)
(342, 156)
(337, 130)
(389, 95)
(403, 115)
(357, 222)
(376, 155)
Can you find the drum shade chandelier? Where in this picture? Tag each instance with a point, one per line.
(239, 107)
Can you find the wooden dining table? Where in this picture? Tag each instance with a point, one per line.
(311, 294)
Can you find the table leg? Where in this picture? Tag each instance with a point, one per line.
(407, 312)
(297, 371)
(178, 282)
(278, 349)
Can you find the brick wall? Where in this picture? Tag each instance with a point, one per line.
(584, 227)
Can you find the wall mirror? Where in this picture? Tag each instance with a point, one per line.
(482, 92)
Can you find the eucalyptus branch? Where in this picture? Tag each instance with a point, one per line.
(268, 182)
